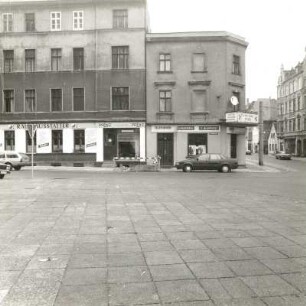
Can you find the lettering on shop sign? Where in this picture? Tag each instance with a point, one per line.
(209, 127)
(93, 144)
(44, 126)
(184, 128)
(163, 127)
(43, 145)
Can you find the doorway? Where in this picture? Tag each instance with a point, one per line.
(165, 149)
(233, 146)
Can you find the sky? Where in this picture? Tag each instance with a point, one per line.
(274, 29)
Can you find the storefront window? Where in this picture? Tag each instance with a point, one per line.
(79, 141)
(128, 143)
(29, 143)
(197, 144)
(9, 137)
(57, 141)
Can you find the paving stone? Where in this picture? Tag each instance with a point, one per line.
(91, 295)
(3, 293)
(240, 302)
(170, 272)
(123, 248)
(87, 261)
(198, 255)
(277, 241)
(248, 242)
(210, 270)
(133, 274)
(8, 279)
(298, 280)
(132, 293)
(292, 251)
(20, 250)
(162, 258)
(126, 259)
(90, 238)
(269, 285)
(54, 249)
(236, 288)
(180, 291)
(188, 244)
(182, 236)
(46, 262)
(156, 246)
(13, 262)
(58, 239)
(248, 267)
(89, 248)
(210, 234)
(285, 301)
(219, 243)
(85, 276)
(201, 303)
(214, 289)
(152, 237)
(235, 253)
(287, 265)
(264, 253)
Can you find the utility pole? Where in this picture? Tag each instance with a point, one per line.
(261, 140)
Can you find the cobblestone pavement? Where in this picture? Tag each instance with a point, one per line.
(86, 238)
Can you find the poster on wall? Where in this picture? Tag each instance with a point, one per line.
(43, 141)
(90, 140)
(196, 150)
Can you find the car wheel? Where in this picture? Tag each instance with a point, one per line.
(1, 176)
(17, 168)
(225, 169)
(187, 168)
(10, 166)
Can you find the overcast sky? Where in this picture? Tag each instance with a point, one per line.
(274, 29)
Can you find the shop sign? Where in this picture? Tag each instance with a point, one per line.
(239, 117)
(92, 144)
(235, 130)
(209, 128)
(55, 126)
(121, 125)
(163, 128)
(43, 145)
(185, 128)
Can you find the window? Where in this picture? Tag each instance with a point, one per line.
(197, 144)
(29, 142)
(78, 99)
(30, 60)
(298, 102)
(298, 123)
(120, 19)
(78, 20)
(237, 95)
(30, 22)
(30, 104)
(236, 65)
(56, 100)
(57, 141)
(120, 98)
(198, 62)
(199, 101)
(7, 22)
(9, 140)
(165, 100)
(165, 62)
(120, 57)
(8, 96)
(56, 59)
(8, 57)
(55, 21)
(79, 141)
(78, 59)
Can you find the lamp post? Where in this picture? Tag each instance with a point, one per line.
(31, 130)
(261, 142)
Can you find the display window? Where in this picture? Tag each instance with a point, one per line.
(197, 144)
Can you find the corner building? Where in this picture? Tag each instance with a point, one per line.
(191, 81)
(76, 71)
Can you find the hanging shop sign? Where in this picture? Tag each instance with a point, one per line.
(239, 117)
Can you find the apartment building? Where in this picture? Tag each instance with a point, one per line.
(75, 70)
(291, 99)
(196, 95)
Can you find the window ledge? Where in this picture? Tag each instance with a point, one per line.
(199, 71)
(199, 113)
(164, 72)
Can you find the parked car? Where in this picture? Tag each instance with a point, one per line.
(282, 155)
(211, 161)
(248, 152)
(4, 169)
(15, 159)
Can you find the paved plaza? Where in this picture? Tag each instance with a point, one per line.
(70, 238)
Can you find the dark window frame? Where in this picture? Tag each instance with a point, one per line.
(29, 100)
(29, 58)
(8, 61)
(78, 59)
(165, 63)
(8, 100)
(120, 98)
(165, 102)
(120, 19)
(9, 140)
(78, 99)
(29, 22)
(57, 141)
(120, 57)
(56, 59)
(79, 141)
(56, 99)
(236, 65)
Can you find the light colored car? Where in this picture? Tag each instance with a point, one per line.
(4, 169)
(211, 161)
(14, 159)
(282, 155)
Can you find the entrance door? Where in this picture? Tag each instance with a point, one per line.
(233, 146)
(110, 144)
(165, 149)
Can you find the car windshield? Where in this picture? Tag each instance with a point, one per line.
(23, 155)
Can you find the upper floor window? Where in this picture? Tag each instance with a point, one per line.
(120, 57)
(56, 100)
(198, 62)
(299, 102)
(55, 21)
(8, 58)
(78, 99)
(30, 60)
(79, 141)
(78, 59)
(56, 59)
(8, 97)
(29, 96)
(237, 95)
(165, 62)
(78, 20)
(165, 100)
(236, 65)
(120, 98)
(7, 22)
(120, 19)
(30, 22)
(199, 101)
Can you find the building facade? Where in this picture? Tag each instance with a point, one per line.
(75, 70)
(191, 80)
(291, 98)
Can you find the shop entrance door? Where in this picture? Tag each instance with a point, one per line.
(165, 149)
(110, 144)
(233, 146)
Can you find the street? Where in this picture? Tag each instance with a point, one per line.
(92, 237)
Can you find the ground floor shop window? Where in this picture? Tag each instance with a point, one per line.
(29, 142)
(79, 141)
(197, 144)
(57, 141)
(9, 138)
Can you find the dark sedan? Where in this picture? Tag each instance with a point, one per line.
(4, 169)
(210, 161)
(282, 155)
